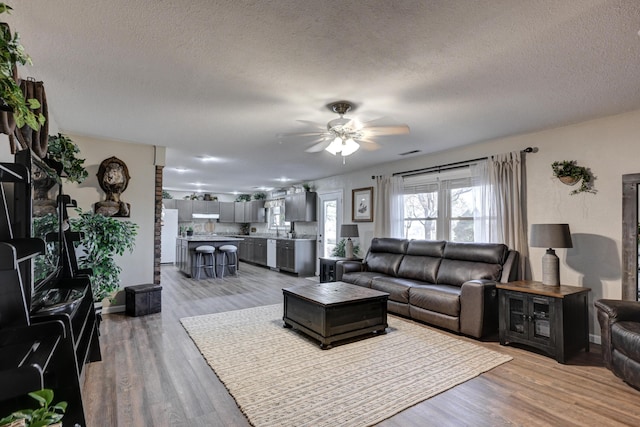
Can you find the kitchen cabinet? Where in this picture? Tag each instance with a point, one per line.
(300, 207)
(296, 256)
(205, 206)
(253, 250)
(169, 203)
(185, 210)
(553, 319)
(227, 212)
(247, 212)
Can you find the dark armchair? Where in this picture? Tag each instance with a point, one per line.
(620, 334)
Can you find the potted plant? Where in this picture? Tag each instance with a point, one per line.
(11, 96)
(46, 415)
(63, 150)
(189, 231)
(104, 238)
(259, 196)
(568, 172)
(243, 198)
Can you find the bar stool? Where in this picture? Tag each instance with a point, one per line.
(229, 255)
(205, 260)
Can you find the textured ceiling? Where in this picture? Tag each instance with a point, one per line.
(223, 78)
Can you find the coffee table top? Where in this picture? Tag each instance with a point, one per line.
(334, 293)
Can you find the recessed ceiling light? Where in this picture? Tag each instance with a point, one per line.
(209, 159)
(181, 170)
(198, 184)
(283, 179)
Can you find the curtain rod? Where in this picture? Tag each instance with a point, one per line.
(454, 165)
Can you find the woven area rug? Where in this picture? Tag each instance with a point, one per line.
(279, 377)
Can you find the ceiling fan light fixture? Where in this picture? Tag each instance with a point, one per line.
(335, 147)
(349, 147)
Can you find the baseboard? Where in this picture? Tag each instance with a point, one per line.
(113, 309)
(595, 339)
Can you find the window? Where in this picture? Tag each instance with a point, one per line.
(439, 206)
(275, 215)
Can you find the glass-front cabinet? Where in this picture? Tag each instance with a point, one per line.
(553, 319)
(529, 317)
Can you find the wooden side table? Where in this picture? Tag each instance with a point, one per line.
(553, 319)
(328, 267)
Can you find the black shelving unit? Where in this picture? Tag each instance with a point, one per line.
(41, 346)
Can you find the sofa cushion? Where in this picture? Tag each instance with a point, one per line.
(489, 253)
(422, 260)
(397, 288)
(625, 337)
(360, 278)
(454, 272)
(438, 298)
(385, 255)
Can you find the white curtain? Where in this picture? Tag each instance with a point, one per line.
(499, 202)
(388, 215)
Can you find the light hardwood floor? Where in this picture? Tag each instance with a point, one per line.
(153, 375)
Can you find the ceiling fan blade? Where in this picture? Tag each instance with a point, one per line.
(296, 134)
(399, 129)
(368, 144)
(314, 124)
(318, 147)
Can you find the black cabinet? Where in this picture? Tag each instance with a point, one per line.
(553, 319)
(328, 267)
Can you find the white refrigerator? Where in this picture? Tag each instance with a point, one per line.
(168, 236)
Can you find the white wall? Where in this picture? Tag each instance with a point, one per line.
(609, 146)
(137, 268)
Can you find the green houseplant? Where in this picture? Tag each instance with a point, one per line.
(11, 96)
(568, 172)
(104, 238)
(63, 150)
(46, 415)
(339, 249)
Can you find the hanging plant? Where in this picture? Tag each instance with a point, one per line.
(63, 150)
(569, 173)
(11, 96)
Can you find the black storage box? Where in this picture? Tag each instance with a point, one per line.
(143, 299)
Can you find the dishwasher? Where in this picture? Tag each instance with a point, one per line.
(271, 253)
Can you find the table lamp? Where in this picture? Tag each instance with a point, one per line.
(348, 231)
(550, 236)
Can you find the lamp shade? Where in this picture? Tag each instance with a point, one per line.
(550, 236)
(349, 230)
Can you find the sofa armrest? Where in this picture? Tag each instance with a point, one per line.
(348, 266)
(478, 308)
(609, 312)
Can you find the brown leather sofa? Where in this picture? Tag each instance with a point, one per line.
(447, 284)
(620, 335)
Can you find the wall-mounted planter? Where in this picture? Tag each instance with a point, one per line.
(569, 173)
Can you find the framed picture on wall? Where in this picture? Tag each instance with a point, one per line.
(362, 204)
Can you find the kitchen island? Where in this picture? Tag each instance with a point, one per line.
(185, 246)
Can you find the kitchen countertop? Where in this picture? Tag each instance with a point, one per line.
(274, 237)
(210, 238)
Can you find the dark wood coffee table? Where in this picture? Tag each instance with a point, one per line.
(335, 311)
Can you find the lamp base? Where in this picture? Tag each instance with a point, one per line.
(550, 268)
(348, 248)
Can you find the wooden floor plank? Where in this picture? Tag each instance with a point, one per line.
(153, 374)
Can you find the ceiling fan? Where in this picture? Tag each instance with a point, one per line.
(346, 136)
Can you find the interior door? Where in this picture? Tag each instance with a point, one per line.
(329, 221)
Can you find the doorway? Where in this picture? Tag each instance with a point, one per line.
(329, 221)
